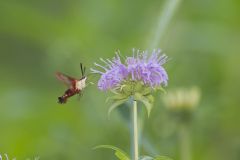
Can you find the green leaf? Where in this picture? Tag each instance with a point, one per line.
(146, 91)
(160, 88)
(114, 91)
(120, 154)
(157, 158)
(115, 105)
(150, 98)
(162, 158)
(145, 158)
(146, 101)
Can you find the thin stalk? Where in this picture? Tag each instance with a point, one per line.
(134, 135)
(164, 19)
(184, 138)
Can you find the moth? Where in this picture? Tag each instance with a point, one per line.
(75, 86)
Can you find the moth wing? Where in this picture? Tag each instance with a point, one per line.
(69, 81)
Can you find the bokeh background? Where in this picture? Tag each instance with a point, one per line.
(38, 38)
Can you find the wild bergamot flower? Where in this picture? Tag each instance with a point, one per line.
(135, 76)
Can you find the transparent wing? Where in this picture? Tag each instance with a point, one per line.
(69, 81)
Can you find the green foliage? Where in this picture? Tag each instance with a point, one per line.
(156, 158)
(115, 104)
(146, 100)
(6, 157)
(162, 158)
(135, 90)
(120, 154)
(145, 158)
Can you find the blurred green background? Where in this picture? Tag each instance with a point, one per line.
(38, 38)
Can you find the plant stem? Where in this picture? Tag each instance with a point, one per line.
(184, 139)
(165, 16)
(135, 131)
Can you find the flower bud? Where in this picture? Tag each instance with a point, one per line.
(182, 99)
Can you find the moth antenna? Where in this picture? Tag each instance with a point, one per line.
(81, 69)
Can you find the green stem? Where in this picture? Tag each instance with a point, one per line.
(184, 138)
(135, 131)
(165, 17)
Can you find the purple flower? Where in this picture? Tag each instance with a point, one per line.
(114, 73)
(139, 67)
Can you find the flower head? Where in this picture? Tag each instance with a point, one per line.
(136, 77)
(140, 67)
(182, 99)
(182, 102)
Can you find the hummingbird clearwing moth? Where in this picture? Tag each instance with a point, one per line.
(75, 86)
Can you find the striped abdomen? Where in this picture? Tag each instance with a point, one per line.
(68, 93)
